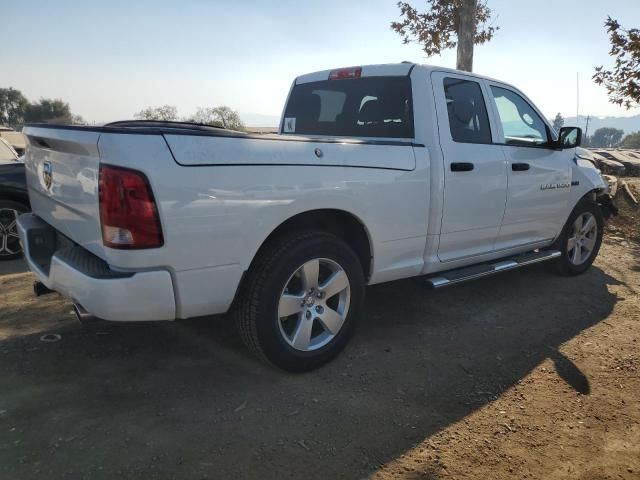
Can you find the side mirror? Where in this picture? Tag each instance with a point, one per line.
(569, 137)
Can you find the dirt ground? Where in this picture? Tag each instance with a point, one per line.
(525, 375)
(627, 223)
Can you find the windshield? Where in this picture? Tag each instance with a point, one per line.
(362, 107)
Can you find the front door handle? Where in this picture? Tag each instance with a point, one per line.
(461, 167)
(520, 167)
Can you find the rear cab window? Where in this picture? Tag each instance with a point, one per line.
(378, 107)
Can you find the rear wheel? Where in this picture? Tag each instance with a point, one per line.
(299, 305)
(10, 247)
(581, 239)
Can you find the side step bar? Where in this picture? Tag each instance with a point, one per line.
(452, 277)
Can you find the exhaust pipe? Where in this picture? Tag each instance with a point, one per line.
(81, 314)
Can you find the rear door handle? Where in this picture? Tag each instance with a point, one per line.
(461, 167)
(520, 167)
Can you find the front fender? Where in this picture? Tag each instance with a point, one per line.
(585, 178)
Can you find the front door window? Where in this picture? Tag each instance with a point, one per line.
(520, 122)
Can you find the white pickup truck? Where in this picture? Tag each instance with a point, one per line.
(378, 173)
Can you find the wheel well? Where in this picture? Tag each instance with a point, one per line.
(590, 196)
(338, 222)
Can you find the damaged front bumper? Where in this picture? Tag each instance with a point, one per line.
(607, 205)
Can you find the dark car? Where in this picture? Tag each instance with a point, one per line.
(14, 200)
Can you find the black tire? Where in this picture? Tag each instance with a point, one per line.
(564, 265)
(256, 308)
(10, 247)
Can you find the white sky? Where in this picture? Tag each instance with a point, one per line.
(111, 59)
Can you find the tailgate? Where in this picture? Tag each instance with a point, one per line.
(62, 168)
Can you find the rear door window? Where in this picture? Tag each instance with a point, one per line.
(468, 118)
(362, 107)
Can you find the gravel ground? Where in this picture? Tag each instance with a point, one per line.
(525, 375)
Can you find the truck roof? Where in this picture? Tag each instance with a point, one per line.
(386, 70)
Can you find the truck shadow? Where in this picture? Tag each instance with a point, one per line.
(184, 400)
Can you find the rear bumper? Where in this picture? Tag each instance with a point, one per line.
(89, 281)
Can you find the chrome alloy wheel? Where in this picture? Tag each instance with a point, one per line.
(9, 239)
(583, 238)
(314, 304)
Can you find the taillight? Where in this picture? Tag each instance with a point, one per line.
(128, 212)
(345, 73)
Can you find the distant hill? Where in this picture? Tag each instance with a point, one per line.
(628, 124)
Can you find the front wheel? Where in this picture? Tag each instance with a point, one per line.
(298, 307)
(580, 239)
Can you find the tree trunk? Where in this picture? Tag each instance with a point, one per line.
(466, 34)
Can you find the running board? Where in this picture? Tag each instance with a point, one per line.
(451, 277)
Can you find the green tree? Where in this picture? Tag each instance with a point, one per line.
(623, 81)
(221, 116)
(165, 113)
(632, 140)
(606, 137)
(12, 107)
(558, 122)
(47, 110)
(447, 24)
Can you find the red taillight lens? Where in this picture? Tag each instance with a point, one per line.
(345, 73)
(128, 212)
